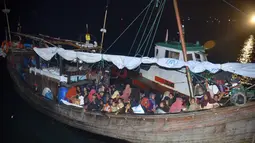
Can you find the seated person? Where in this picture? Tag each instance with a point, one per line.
(176, 107)
(93, 105)
(107, 107)
(206, 102)
(193, 105)
(120, 106)
(114, 107)
(145, 103)
(126, 93)
(152, 101)
(162, 107)
(116, 95)
(128, 109)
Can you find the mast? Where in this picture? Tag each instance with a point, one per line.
(103, 30)
(6, 34)
(180, 28)
(6, 11)
(19, 26)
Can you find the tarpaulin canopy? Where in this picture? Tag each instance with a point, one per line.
(133, 62)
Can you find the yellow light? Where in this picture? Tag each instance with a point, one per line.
(253, 19)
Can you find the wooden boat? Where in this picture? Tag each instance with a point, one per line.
(229, 124)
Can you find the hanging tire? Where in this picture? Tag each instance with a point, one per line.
(238, 99)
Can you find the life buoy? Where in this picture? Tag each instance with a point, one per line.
(5, 46)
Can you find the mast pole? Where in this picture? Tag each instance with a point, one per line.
(103, 30)
(6, 11)
(6, 34)
(184, 51)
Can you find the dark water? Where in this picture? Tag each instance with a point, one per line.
(22, 123)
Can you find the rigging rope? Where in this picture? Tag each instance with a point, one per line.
(234, 7)
(128, 27)
(138, 49)
(152, 40)
(149, 34)
(149, 40)
(139, 30)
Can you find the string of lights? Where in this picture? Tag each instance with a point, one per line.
(246, 57)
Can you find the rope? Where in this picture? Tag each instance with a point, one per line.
(156, 27)
(138, 30)
(127, 27)
(194, 75)
(234, 7)
(139, 48)
(137, 53)
(150, 30)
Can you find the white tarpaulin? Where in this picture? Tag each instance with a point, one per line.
(89, 57)
(241, 69)
(46, 53)
(68, 55)
(49, 73)
(123, 61)
(133, 62)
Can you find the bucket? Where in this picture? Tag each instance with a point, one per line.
(47, 93)
(62, 93)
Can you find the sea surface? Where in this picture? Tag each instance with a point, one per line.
(22, 123)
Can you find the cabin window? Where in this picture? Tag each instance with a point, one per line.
(189, 57)
(172, 54)
(198, 57)
(156, 52)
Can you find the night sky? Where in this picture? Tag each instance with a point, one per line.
(204, 20)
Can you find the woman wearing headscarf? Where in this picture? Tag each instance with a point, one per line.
(206, 102)
(176, 106)
(90, 96)
(126, 93)
(116, 95)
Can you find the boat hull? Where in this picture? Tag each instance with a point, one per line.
(229, 125)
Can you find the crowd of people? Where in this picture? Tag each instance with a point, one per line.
(121, 99)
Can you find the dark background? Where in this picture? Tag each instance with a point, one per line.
(68, 18)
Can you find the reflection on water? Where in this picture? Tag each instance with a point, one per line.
(246, 52)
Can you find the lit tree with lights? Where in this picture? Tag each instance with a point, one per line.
(246, 56)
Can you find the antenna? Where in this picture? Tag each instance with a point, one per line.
(6, 11)
(103, 30)
(87, 28)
